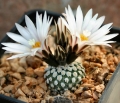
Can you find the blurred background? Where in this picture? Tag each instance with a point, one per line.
(12, 10)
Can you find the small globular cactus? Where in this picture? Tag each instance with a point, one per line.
(64, 78)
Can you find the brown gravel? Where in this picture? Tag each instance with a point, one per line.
(21, 79)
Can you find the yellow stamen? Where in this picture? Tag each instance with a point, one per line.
(83, 37)
(37, 44)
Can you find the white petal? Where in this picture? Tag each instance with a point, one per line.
(79, 19)
(45, 19)
(50, 21)
(101, 31)
(71, 15)
(11, 50)
(46, 25)
(18, 38)
(18, 56)
(23, 31)
(74, 40)
(82, 44)
(34, 51)
(91, 23)
(71, 20)
(99, 34)
(107, 26)
(98, 23)
(101, 43)
(38, 25)
(107, 37)
(109, 41)
(87, 18)
(7, 51)
(31, 27)
(16, 46)
(65, 23)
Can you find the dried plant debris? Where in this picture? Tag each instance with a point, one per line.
(24, 80)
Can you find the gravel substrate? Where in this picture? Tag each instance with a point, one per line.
(23, 78)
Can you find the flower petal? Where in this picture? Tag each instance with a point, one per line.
(71, 20)
(79, 19)
(18, 56)
(38, 25)
(31, 27)
(99, 34)
(17, 46)
(87, 18)
(65, 23)
(101, 43)
(92, 22)
(23, 31)
(98, 23)
(18, 38)
(11, 50)
(34, 51)
(107, 37)
(101, 31)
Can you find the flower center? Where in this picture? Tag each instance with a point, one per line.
(37, 44)
(83, 37)
(34, 44)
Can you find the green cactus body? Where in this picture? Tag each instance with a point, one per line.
(62, 78)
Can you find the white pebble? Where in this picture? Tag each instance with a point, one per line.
(68, 74)
(63, 72)
(63, 84)
(73, 80)
(66, 80)
(55, 82)
(75, 74)
(54, 74)
(59, 77)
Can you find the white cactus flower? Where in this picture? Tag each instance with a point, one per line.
(31, 39)
(88, 29)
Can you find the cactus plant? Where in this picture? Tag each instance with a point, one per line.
(72, 36)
